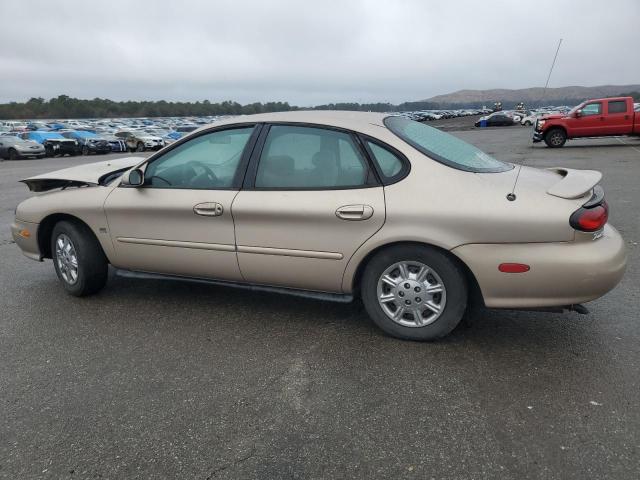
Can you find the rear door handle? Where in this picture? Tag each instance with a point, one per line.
(208, 209)
(354, 212)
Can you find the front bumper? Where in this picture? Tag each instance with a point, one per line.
(63, 148)
(562, 273)
(31, 153)
(537, 136)
(25, 234)
(98, 148)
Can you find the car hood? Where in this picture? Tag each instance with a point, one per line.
(87, 174)
(149, 137)
(551, 116)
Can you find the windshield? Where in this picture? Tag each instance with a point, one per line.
(83, 134)
(576, 108)
(443, 147)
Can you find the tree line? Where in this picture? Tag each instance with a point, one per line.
(64, 106)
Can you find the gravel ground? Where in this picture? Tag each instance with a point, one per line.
(161, 379)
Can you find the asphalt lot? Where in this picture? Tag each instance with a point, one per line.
(161, 379)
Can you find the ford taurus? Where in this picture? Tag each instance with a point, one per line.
(418, 224)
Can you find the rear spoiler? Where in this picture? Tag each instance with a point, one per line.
(575, 183)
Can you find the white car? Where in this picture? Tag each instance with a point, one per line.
(139, 140)
(530, 119)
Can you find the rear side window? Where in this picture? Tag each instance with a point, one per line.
(443, 147)
(617, 106)
(388, 163)
(301, 158)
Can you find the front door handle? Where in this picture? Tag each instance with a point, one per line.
(208, 209)
(354, 212)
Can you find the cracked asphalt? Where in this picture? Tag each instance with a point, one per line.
(161, 379)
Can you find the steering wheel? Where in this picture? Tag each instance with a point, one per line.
(210, 175)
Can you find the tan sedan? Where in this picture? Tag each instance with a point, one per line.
(417, 223)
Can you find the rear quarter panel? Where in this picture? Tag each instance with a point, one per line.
(445, 207)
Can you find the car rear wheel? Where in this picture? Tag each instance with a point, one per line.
(13, 155)
(85, 150)
(555, 138)
(414, 293)
(78, 259)
(140, 147)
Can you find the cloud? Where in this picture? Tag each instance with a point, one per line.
(308, 52)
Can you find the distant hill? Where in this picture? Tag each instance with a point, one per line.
(530, 96)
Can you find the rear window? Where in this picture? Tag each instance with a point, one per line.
(443, 147)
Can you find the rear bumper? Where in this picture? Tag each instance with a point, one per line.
(562, 273)
(25, 234)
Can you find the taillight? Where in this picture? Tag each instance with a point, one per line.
(590, 218)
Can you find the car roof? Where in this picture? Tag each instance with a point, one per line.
(358, 121)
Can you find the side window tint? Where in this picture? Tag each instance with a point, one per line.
(390, 165)
(617, 106)
(209, 161)
(305, 157)
(592, 109)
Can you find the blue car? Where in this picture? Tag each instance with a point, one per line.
(54, 143)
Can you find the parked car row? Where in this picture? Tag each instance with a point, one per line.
(36, 139)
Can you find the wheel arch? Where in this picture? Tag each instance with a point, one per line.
(475, 293)
(556, 127)
(45, 230)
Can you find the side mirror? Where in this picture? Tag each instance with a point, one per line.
(578, 113)
(133, 178)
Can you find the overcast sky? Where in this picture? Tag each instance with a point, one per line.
(309, 51)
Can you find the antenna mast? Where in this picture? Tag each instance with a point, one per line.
(512, 196)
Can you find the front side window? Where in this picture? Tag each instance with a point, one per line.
(296, 157)
(592, 109)
(209, 161)
(617, 106)
(443, 147)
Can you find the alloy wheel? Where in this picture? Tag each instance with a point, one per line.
(411, 294)
(67, 259)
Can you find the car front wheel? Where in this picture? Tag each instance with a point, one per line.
(78, 259)
(413, 292)
(140, 147)
(555, 138)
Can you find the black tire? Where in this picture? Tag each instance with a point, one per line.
(527, 123)
(92, 265)
(451, 275)
(13, 155)
(555, 138)
(140, 147)
(85, 150)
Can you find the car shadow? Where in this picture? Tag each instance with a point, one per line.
(492, 331)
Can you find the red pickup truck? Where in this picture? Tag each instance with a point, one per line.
(600, 117)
